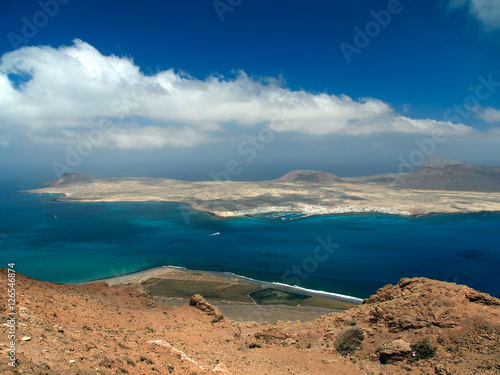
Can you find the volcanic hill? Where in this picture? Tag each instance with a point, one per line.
(455, 177)
(309, 176)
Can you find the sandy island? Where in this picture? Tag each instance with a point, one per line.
(230, 198)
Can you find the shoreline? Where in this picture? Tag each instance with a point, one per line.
(317, 210)
(280, 199)
(138, 277)
(306, 215)
(363, 210)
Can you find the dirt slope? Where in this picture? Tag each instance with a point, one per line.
(97, 329)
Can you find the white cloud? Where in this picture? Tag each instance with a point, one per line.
(153, 137)
(486, 11)
(489, 114)
(73, 88)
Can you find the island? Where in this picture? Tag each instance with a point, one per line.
(457, 188)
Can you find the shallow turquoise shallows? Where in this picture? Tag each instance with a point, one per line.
(347, 254)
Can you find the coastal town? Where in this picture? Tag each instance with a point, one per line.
(311, 210)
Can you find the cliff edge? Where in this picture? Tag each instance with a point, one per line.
(419, 326)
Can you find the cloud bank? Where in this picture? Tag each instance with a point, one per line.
(490, 115)
(53, 95)
(486, 11)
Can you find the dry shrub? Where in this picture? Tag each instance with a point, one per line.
(349, 339)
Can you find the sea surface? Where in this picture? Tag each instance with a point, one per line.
(347, 254)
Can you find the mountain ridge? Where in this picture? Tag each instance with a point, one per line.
(453, 177)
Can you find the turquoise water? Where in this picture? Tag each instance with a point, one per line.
(73, 242)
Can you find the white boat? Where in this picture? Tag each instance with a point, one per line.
(215, 234)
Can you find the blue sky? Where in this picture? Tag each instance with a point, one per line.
(183, 89)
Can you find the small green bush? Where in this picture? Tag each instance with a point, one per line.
(349, 339)
(423, 349)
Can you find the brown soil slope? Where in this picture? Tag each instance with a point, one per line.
(97, 329)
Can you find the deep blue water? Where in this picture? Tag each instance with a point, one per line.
(89, 241)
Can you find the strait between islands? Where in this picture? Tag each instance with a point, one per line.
(418, 326)
(455, 188)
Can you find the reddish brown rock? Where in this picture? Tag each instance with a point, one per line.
(94, 328)
(396, 350)
(483, 298)
(201, 304)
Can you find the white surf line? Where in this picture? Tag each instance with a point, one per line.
(322, 292)
(177, 267)
(295, 288)
(282, 286)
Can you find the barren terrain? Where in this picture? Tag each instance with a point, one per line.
(120, 329)
(305, 192)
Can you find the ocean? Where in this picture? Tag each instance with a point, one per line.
(352, 254)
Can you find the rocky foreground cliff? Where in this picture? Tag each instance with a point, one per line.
(418, 326)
